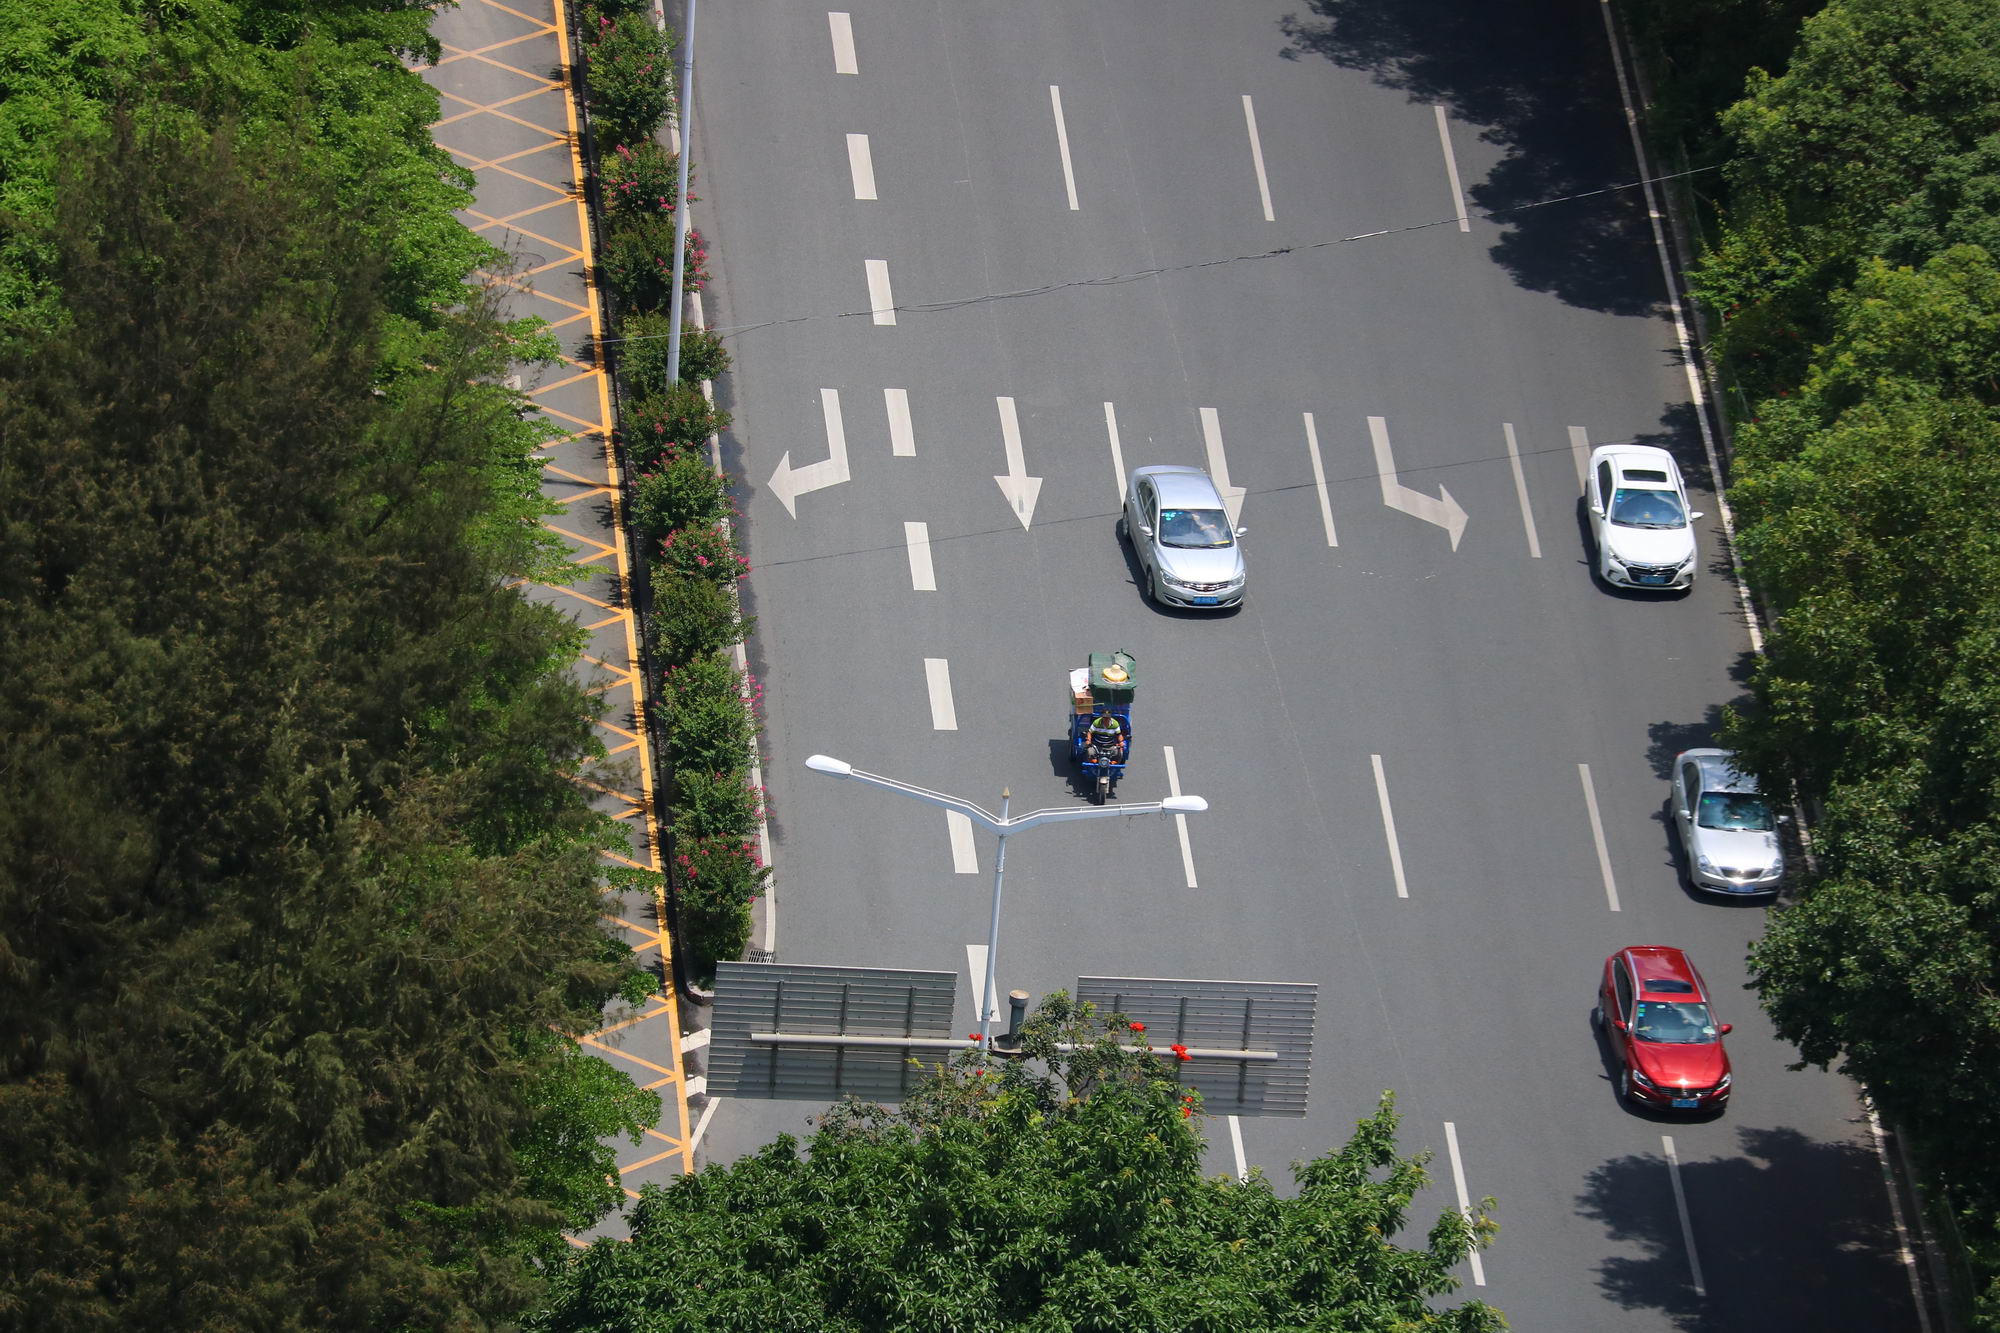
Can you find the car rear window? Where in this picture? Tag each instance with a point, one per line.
(1668, 986)
(1645, 474)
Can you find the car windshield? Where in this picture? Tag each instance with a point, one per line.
(1734, 810)
(1195, 528)
(1647, 509)
(1673, 1022)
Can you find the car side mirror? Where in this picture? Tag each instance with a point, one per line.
(1784, 819)
(1696, 513)
(1618, 1023)
(1145, 531)
(1725, 1029)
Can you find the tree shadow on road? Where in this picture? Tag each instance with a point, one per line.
(1535, 76)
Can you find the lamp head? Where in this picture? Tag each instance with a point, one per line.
(1180, 805)
(827, 764)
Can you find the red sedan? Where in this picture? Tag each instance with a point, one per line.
(1653, 1006)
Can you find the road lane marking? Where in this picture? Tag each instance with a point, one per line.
(1521, 490)
(789, 483)
(1062, 145)
(861, 166)
(695, 1040)
(1579, 449)
(1319, 479)
(1180, 821)
(843, 43)
(1896, 1215)
(1389, 827)
(1464, 1199)
(1218, 464)
(1117, 455)
(917, 536)
(1597, 836)
(1451, 170)
(937, 676)
(701, 1125)
(1687, 1224)
(1020, 489)
(975, 967)
(1441, 509)
(1257, 156)
(964, 859)
(880, 301)
(1236, 1143)
(902, 439)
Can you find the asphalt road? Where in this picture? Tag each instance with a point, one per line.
(1499, 692)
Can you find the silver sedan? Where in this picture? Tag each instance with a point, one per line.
(1180, 530)
(1728, 829)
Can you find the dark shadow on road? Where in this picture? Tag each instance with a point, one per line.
(1535, 77)
(1791, 1234)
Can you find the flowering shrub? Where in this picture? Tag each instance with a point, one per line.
(642, 354)
(718, 879)
(715, 805)
(703, 553)
(693, 617)
(640, 181)
(709, 723)
(627, 75)
(684, 491)
(660, 428)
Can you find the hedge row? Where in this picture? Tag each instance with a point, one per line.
(679, 505)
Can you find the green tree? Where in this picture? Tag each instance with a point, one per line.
(1062, 1190)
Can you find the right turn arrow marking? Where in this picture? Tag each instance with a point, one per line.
(1441, 509)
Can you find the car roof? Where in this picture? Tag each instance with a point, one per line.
(1719, 772)
(1655, 963)
(1183, 487)
(1628, 458)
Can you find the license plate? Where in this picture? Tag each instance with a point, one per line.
(1203, 601)
(1652, 578)
(1686, 1103)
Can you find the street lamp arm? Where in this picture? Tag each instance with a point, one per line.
(976, 814)
(1052, 816)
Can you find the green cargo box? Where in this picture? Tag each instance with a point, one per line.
(1114, 678)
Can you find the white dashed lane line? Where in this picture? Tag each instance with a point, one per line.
(842, 28)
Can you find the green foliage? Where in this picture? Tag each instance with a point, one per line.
(640, 181)
(563, 1156)
(642, 354)
(1058, 1190)
(709, 727)
(659, 429)
(287, 834)
(637, 262)
(627, 74)
(684, 492)
(1701, 51)
(693, 617)
(714, 804)
(719, 879)
(703, 553)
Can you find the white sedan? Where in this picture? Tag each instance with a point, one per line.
(1639, 518)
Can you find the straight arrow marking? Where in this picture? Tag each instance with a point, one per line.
(1441, 509)
(789, 483)
(1218, 464)
(1020, 489)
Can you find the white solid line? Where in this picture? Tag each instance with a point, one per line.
(861, 166)
(1597, 835)
(1236, 1142)
(1389, 826)
(1687, 1223)
(917, 536)
(1696, 389)
(1451, 169)
(701, 1125)
(902, 439)
(1174, 789)
(843, 43)
(1521, 490)
(1579, 449)
(1319, 479)
(975, 967)
(1257, 156)
(1896, 1215)
(695, 1040)
(1117, 456)
(1464, 1199)
(937, 675)
(879, 299)
(1062, 144)
(964, 859)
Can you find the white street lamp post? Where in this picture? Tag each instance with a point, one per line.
(1002, 827)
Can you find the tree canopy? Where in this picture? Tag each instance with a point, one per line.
(1057, 1190)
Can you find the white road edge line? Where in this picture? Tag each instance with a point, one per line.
(880, 300)
(1062, 145)
(701, 1125)
(902, 439)
(1389, 826)
(1319, 479)
(861, 166)
(1579, 449)
(842, 28)
(1521, 490)
(1236, 1143)
(917, 536)
(1597, 836)
(1257, 156)
(1687, 1223)
(1180, 821)
(1909, 1256)
(1117, 455)
(1451, 169)
(937, 677)
(964, 856)
(1464, 1199)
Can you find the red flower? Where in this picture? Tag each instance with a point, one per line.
(1180, 1051)
(972, 1036)
(1137, 1027)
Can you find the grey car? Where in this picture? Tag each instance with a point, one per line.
(1728, 828)
(1180, 530)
